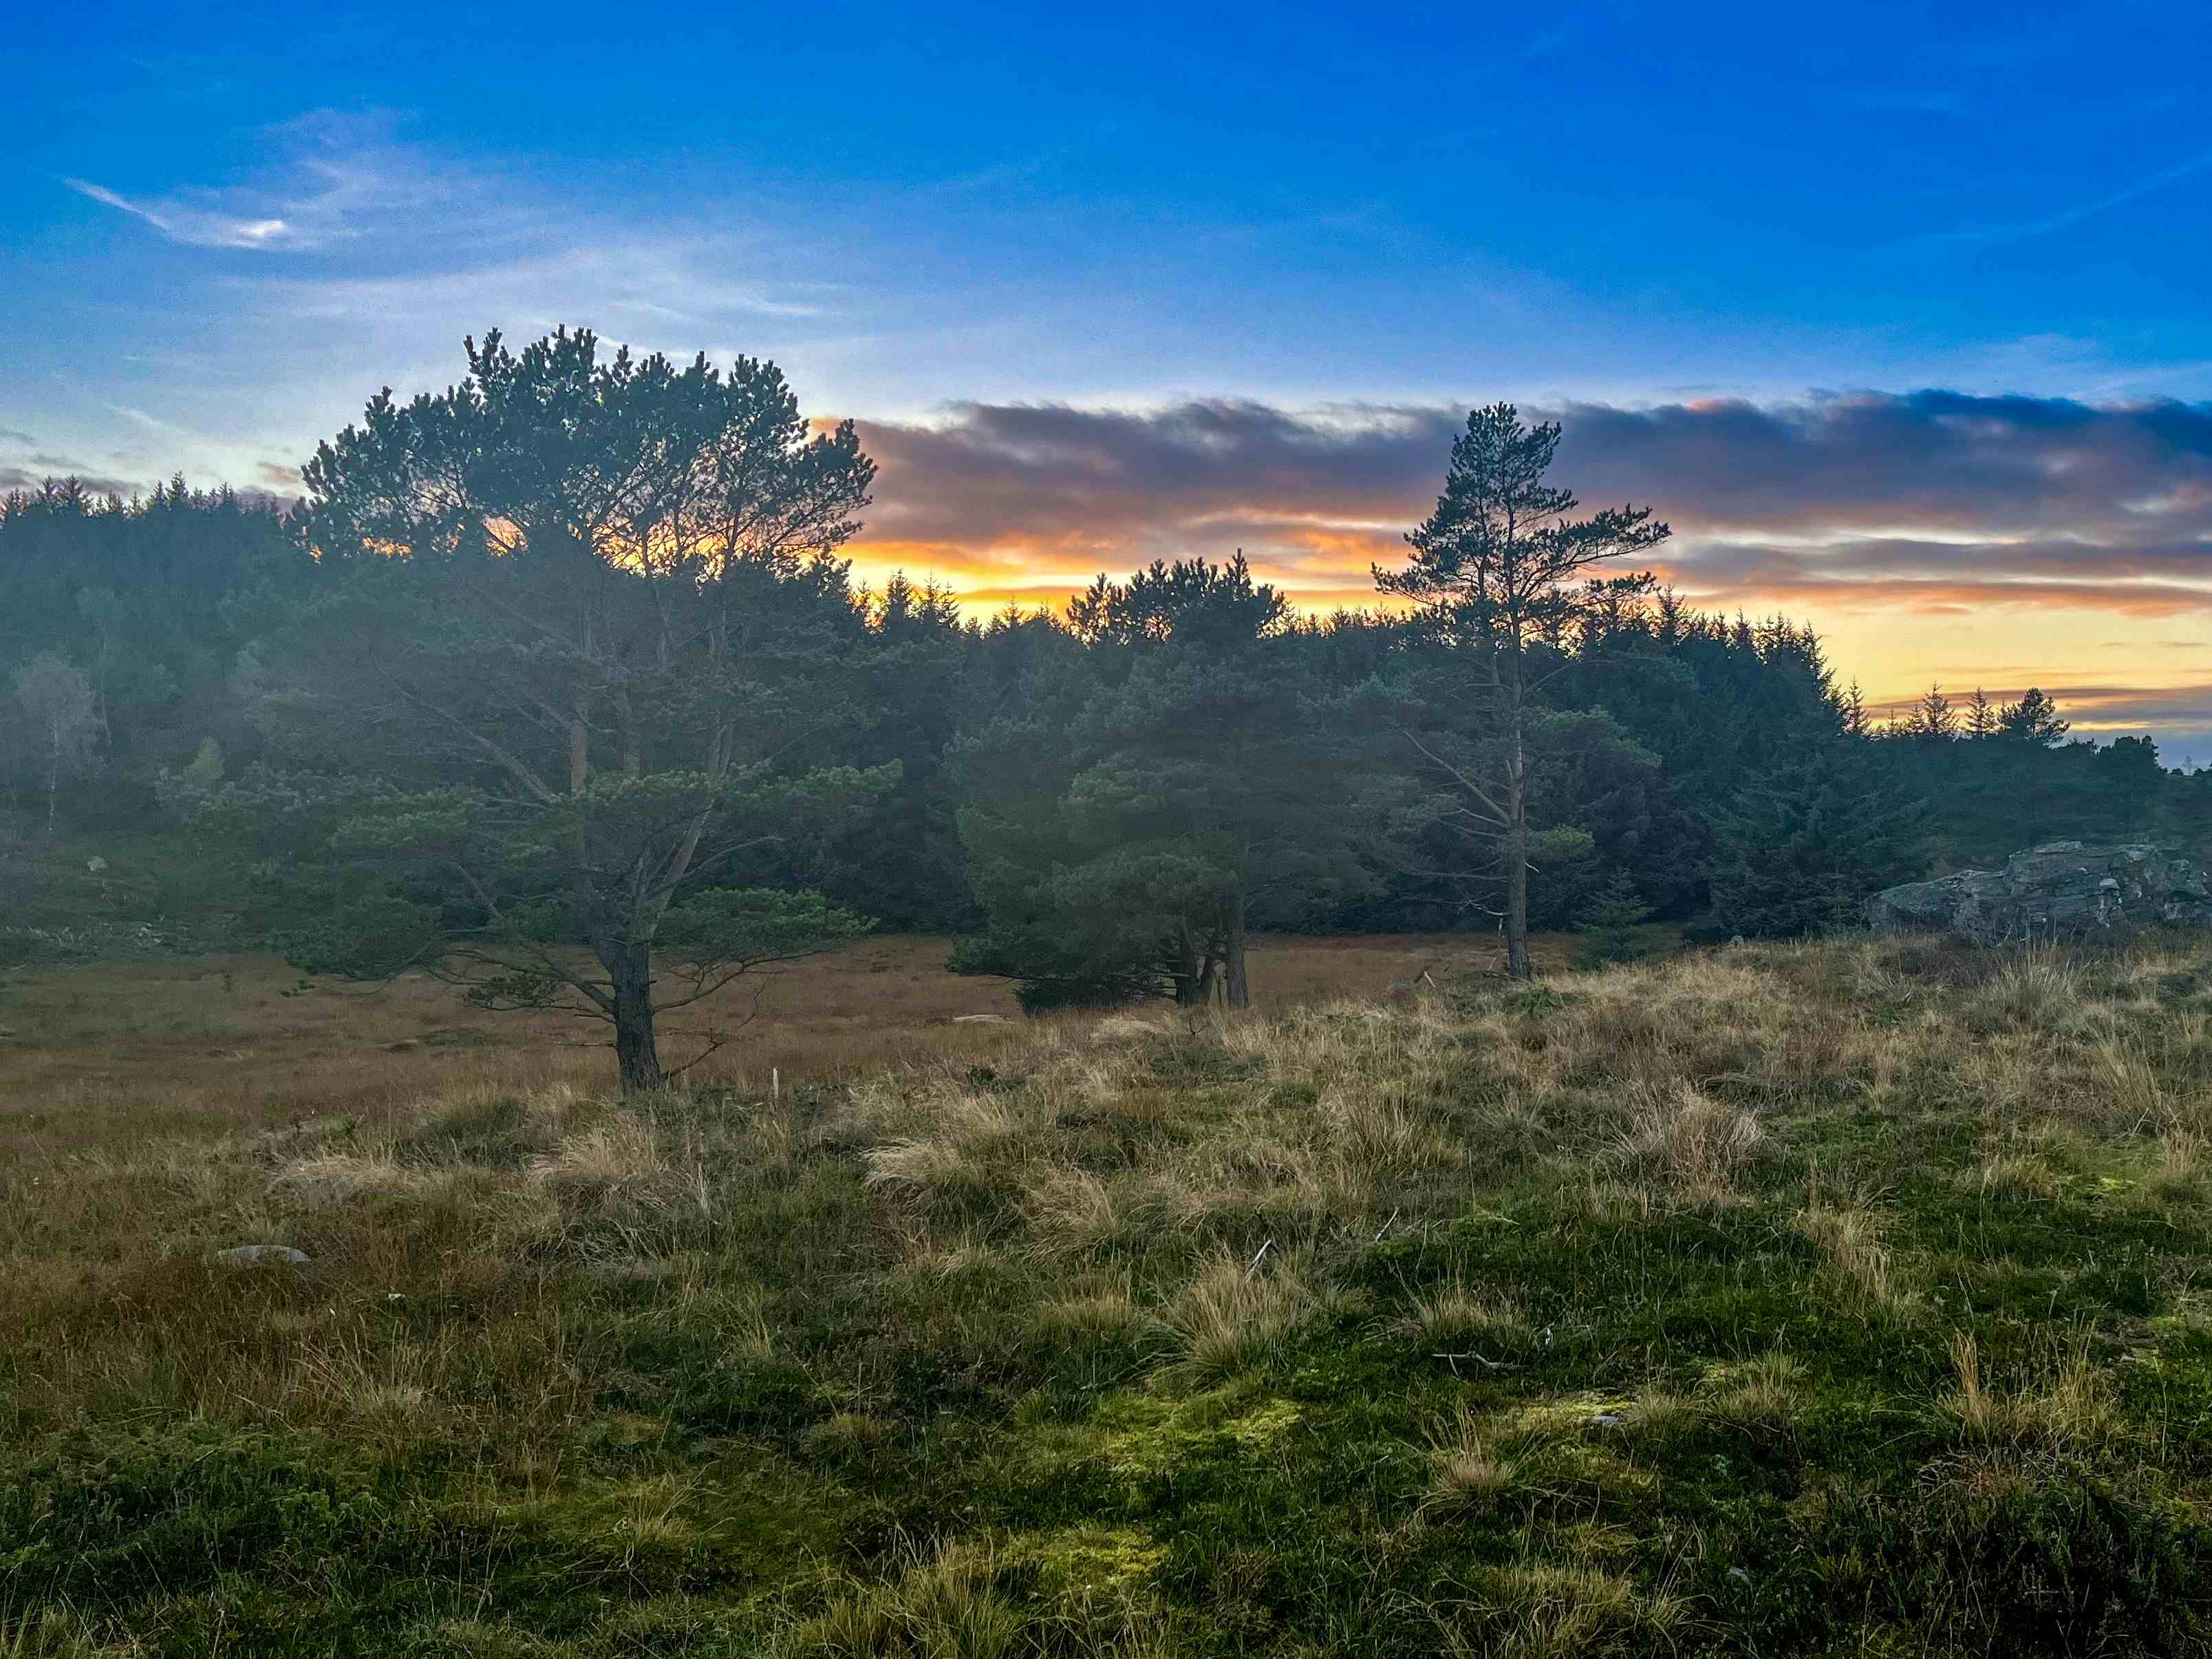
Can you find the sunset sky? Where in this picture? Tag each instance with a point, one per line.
(1901, 315)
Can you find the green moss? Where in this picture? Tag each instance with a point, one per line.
(1092, 1561)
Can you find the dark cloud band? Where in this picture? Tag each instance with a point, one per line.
(2111, 507)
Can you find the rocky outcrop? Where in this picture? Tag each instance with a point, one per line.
(2062, 890)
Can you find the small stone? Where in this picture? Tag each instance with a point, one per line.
(1606, 1420)
(1739, 1575)
(245, 1256)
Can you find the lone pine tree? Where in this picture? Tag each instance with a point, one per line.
(587, 620)
(1500, 573)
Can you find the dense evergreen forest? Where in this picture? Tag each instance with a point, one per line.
(326, 705)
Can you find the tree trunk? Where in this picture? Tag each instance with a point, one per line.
(1192, 973)
(1239, 993)
(637, 1056)
(1517, 863)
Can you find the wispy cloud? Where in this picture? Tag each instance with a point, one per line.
(424, 246)
(202, 227)
(2067, 218)
(328, 178)
(140, 417)
(629, 285)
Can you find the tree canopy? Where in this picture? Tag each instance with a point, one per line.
(587, 621)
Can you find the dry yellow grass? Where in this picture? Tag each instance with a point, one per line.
(1466, 1469)
(2068, 1402)
(106, 1053)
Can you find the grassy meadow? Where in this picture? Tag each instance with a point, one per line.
(1841, 1298)
(93, 1055)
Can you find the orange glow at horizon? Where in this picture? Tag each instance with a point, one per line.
(2119, 657)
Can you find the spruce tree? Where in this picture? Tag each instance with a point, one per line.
(1803, 845)
(1609, 918)
(2033, 720)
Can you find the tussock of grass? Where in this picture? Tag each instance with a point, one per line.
(1097, 1315)
(2179, 1174)
(2014, 1176)
(2068, 1405)
(1233, 1316)
(1543, 1611)
(1454, 1313)
(339, 1180)
(945, 1606)
(1467, 1472)
(1658, 1412)
(1700, 1143)
(1124, 1028)
(1768, 1390)
(1071, 1211)
(1853, 1239)
(2040, 989)
(622, 1153)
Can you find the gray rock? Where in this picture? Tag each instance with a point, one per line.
(2062, 890)
(245, 1256)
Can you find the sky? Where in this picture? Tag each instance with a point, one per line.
(1901, 316)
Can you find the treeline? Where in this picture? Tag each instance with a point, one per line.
(567, 658)
(153, 606)
(163, 607)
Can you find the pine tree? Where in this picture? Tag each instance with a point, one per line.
(2033, 720)
(1500, 571)
(586, 610)
(1981, 717)
(1125, 850)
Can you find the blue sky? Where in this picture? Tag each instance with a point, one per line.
(223, 227)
